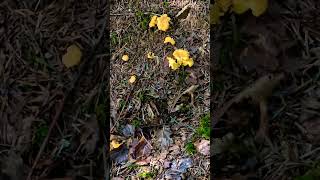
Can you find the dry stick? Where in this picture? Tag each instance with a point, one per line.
(57, 115)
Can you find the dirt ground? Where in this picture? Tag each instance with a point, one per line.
(265, 93)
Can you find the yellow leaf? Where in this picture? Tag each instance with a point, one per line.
(125, 57)
(168, 39)
(132, 79)
(150, 55)
(163, 22)
(258, 7)
(72, 57)
(114, 144)
(153, 21)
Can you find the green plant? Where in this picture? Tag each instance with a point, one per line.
(143, 20)
(41, 133)
(122, 104)
(114, 38)
(133, 166)
(312, 174)
(190, 148)
(146, 175)
(204, 127)
(136, 123)
(166, 3)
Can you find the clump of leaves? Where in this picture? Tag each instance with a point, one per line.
(204, 128)
(190, 148)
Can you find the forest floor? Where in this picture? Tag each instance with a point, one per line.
(266, 93)
(52, 116)
(163, 130)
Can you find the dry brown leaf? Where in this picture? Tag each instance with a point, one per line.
(72, 57)
(140, 150)
(203, 147)
(164, 138)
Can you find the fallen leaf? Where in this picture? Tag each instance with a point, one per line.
(72, 57)
(164, 138)
(128, 130)
(181, 165)
(140, 150)
(114, 145)
(120, 154)
(203, 147)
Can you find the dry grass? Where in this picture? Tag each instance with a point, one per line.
(157, 85)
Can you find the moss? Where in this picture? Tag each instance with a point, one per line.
(204, 127)
(190, 148)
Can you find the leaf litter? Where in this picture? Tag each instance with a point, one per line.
(251, 107)
(157, 141)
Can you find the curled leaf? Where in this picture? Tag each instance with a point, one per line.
(72, 57)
